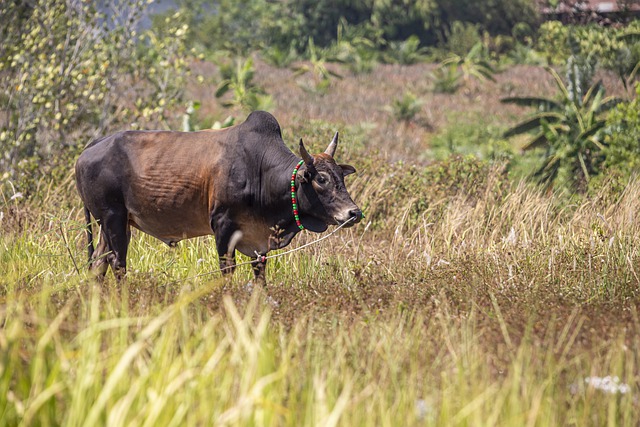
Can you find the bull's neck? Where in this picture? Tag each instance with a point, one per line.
(278, 206)
(276, 183)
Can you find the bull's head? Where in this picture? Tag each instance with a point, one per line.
(324, 194)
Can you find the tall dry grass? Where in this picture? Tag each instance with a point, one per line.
(462, 299)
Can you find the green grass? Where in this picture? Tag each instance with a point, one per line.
(466, 300)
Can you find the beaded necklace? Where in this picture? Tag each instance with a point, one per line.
(294, 202)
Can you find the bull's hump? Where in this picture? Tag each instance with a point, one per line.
(263, 123)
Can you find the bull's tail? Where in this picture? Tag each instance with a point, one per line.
(87, 217)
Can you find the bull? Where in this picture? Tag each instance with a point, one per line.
(241, 184)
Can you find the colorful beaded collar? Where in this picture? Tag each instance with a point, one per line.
(294, 201)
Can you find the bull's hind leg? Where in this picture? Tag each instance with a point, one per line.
(98, 263)
(115, 227)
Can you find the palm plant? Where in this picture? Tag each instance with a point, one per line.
(473, 65)
(405, 109)
(570, 129)
(406, 52)
(446, 79)
(238, 77)
(317, 65)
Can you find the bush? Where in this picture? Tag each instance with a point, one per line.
(604, 43)
(72, 73)
(623, 137)
(570, 130)
(406, 108)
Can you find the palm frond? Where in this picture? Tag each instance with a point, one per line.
(545, 104)
(609, 103)
(532, 123)
(559, 83)
(591, 131)
(537, 141)
(595, 92)
(633, 37)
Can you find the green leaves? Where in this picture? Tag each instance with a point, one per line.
(72, 73)
(405, 109)
(406, 52)
(237, 77)
(317, 67)
(534, 122)
(569, 128)
(472, 65)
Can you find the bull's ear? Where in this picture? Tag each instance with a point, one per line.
(304, 174)
(347, 169)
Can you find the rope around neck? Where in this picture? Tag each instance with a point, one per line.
(263, 258)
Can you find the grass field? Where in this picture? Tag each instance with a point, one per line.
(465, 297)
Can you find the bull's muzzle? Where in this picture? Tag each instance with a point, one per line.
(351, 217)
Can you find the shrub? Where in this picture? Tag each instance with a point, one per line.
(475, 64)
(406, 52)
(317, 67)
(237, 77)
(556, 41)
(446, 78)
(622, 137)
(72, 73)
(405, 109)
(570, 130)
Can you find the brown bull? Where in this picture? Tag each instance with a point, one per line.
(234, 183)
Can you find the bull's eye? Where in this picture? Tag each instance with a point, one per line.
(321, 179)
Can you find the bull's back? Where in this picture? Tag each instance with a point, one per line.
(166, 181)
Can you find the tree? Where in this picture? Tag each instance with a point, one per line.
(70, 73)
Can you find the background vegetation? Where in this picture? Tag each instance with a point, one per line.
(494, 281)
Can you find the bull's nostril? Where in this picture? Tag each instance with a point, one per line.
(355, 213)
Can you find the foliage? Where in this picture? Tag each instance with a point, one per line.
(493, 16)
(317, 67)
(446, 78)
(632, 37)
(405, 109)
(460, 38)
(622, 137)
(606, 44)
(71, 73)
(162, 64)
(357, 46)
(406, 52)
(277, 26)
(402, 19)
(472, 65)
(237, 76)
(278, 56)
(569, 130)
(238, 26)
(524, 54)
(463, 137)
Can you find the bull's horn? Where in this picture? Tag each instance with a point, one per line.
(331, 149)
(305, 154)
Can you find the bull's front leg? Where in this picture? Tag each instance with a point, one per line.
(227, 262)
(259, 266)
(227, 236)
